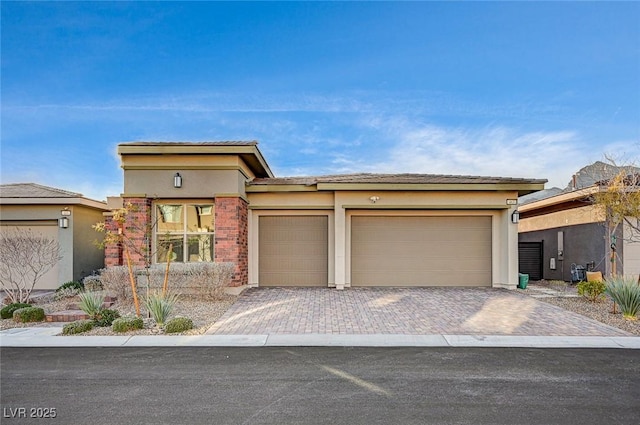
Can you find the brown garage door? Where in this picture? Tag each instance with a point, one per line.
(421, 251)
(293, 251)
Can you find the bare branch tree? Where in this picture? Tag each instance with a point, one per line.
(618, 196)
(26, 257)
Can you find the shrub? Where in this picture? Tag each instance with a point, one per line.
(91, 302)
(593, 291)
(115, 280)
(625, 293)
(92, 283)
(66, 293)
(7, 311)
(77, 327)
(126, 324)
(71, 285)
(105, 318)
(178, 324)
(28, 314)
(160, 306)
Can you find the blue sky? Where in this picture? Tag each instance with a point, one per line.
(478, 88)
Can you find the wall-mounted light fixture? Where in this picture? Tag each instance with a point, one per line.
(63, 222)
(177, 180)
(515, 217)
(374, 199)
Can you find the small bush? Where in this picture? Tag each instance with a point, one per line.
(28, 314)
(66, 293)
(593, 291)
(92, 283)
(7, 311)
(115, 280)
(91, 302)
(77, 327)
(160, 306)
(178, 324)
(71, 285)
(126, 324)
(625, 293)
(105, 318)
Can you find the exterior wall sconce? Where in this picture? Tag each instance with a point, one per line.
(515, 217)
(63, 222)
(177, 181)
(374, 199)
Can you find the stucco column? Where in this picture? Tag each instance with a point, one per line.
(340, 244)
(512, 249)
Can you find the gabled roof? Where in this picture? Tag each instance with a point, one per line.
(33, 193)
(368, 181)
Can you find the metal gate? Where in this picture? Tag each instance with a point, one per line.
(530, 259)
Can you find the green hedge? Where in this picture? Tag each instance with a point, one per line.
(28, 314)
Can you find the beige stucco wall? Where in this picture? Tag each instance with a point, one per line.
(79, 255)
(195, 183)
(342, 205)
(22, 214)
(582, 215)
(631, 252)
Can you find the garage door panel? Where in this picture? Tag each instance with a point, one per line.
(421, 251)
(293, 251)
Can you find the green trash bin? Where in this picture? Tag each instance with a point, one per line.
(523, 280)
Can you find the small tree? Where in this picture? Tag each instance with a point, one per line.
(619, 198)
(25, 258)
(125, 224)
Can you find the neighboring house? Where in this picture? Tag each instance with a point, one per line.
(220, 202)
(60, 215)
(566, 230)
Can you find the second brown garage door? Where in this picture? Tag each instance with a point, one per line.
(421, 251)
(293, 251)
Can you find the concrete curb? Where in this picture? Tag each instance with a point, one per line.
(45, 337)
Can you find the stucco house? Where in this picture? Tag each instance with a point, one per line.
(60, 215)
(567, 229)
(219, 201)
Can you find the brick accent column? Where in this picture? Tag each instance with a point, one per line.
(232, 236)
(112, 251)
(138, 232)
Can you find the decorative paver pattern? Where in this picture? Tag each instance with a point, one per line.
(413, 311)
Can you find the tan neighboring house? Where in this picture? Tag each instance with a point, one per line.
(220, 201)
(60, 215)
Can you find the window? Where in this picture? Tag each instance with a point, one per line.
(188, 229)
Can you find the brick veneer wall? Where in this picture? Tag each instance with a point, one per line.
(137, 224)
(112, 251)
(232, 236)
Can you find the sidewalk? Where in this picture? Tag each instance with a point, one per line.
(44, 337)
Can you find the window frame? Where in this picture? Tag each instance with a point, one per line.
(200, 208)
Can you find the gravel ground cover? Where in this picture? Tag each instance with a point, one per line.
(567, 298)
(203, 313)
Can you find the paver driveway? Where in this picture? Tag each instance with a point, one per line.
(415, 311)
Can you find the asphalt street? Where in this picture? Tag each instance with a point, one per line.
(322, 385)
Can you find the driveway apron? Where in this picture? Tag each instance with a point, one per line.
(412, 311)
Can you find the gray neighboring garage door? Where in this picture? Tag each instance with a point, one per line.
(420, 251)
(48, 230)
(293, 251)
